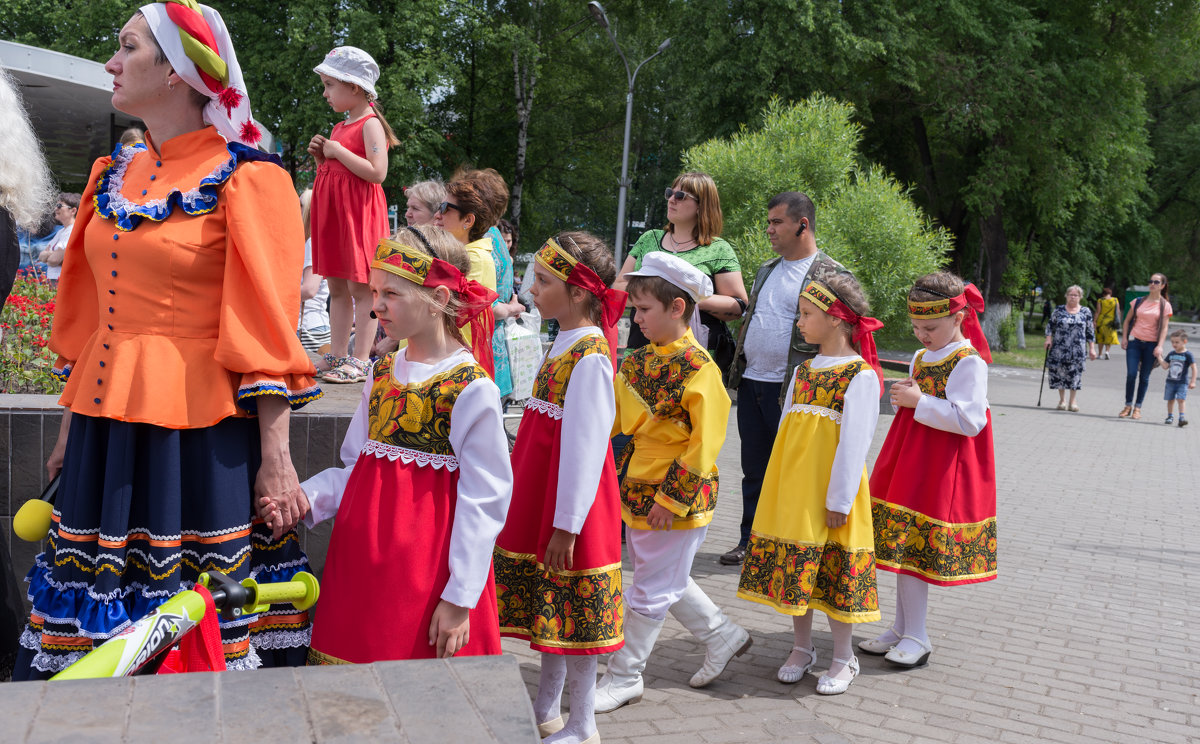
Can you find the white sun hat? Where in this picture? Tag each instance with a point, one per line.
(351, 65)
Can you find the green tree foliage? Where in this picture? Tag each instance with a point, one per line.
(865, 218)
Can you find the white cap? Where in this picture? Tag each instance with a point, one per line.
(351, 65)
(676, 271)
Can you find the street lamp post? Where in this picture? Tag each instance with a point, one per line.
(601, 18)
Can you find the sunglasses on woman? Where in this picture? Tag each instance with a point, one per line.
(1156, 281)
(441, 208)
(680, 195)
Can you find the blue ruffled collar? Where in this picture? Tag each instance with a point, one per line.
(111, 204)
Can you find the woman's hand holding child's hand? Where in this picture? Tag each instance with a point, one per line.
(905, 393)
(834, 519)
(660, 517)
(450, 629)
(560, 551)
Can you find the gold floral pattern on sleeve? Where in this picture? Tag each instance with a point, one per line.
(942, 553)
(579, 610)
(417, 416)
(552, 379)
(825, 387)
(694, 493)
(932, 378)
(795, 577)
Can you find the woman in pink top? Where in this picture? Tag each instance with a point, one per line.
(1145, 332)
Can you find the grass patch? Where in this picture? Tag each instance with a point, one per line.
(1030, 358)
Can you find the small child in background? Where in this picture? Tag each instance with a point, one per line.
(558, 560)
(349, 211)
(933, 489)
(426, 480)
(811, 546)
(671, 400)
(1181, 376)
(313, 329)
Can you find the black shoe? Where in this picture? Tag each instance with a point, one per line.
(734, 557)
(1182, 422)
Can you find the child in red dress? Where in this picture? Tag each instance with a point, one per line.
(426, 482)
(558, 560)
(933, 490)
(349, 212)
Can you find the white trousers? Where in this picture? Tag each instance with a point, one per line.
(662, 562)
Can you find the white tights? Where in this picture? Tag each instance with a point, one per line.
(912, 604)
(581, 683)
(842, 649)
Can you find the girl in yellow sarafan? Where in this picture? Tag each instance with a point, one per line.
(812, 545)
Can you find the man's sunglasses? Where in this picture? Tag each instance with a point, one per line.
(680, 195)
(441, 208)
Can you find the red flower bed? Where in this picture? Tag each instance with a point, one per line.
(25, 359)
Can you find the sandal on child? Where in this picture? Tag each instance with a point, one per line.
(910, 658)
(351, 370)
(877, 646)
(790, 674)
(550, 727)
(329, 362)
(827, 685)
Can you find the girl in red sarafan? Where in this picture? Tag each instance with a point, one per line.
(933, 490)
(558, 560)
(426, 482)
(349, 210)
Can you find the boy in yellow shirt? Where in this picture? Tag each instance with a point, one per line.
(672, 401)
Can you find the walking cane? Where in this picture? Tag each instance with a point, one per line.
(1042, 384)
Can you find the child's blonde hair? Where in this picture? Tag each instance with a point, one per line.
(595, 254)
(439, 243)
(306, 212)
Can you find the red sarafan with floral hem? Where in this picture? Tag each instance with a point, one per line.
(577, 611)
(934, 492)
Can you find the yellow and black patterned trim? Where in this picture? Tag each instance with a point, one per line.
(819, 295)
(402, 260)
(556, 260)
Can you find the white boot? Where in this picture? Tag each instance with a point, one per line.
(622, 682)
(723, 638)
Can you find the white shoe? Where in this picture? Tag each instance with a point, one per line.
(723, 639)
(827, 685)
(622, 681)
(550, 727)
(877, 646)
(790, 674)
(910, 658)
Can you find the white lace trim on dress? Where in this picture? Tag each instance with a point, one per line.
(543, 406)
(409, 456)
(828, 413)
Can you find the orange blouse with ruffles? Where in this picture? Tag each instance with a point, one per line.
(182, 319)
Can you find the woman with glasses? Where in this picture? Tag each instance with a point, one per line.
(473, 204)
(693, 232)
(1144, 333)
(56, 249)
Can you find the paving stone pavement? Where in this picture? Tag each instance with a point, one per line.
(1084, 637)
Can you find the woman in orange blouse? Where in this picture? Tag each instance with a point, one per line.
(174, 328)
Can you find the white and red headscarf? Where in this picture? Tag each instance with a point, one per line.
(197, 44)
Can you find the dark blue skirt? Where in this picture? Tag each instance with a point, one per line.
(141, 511)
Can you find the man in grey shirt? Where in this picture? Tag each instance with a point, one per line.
(770, 346)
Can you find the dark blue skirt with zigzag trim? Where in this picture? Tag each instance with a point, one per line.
(141, 511)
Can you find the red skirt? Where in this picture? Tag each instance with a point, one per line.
(348, 215)
(933, 503)
(388, 562)
(579, 611)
